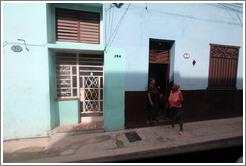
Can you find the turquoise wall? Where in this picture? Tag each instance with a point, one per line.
(114, 74)
(66, 112)
(190, 25)
(114, 89)
(26, 97)
(69, 113)
(54, 108)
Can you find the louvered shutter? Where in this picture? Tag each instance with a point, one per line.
(89, 27)
(159, 56)
(77, 26)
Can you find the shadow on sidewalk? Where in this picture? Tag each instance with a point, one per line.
(222, 155)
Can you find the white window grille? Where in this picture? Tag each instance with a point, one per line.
(81, 76)
(65, 75)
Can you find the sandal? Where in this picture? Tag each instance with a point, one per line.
(181, 132)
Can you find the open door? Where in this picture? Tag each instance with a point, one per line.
(159, 68)
(161, 73)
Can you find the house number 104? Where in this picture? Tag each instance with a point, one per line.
(117, 56)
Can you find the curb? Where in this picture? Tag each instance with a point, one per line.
(202, 146)
(144, 154)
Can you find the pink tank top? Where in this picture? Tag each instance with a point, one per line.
(173, 99)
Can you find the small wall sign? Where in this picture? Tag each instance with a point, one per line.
(186, 55)
(16, 48)
(117, 56)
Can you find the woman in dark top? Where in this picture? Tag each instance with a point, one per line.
(153, 96)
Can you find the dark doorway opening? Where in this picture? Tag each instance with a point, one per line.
(159, 68)
(159, 72)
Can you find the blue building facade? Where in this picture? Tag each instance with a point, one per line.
(113, 54)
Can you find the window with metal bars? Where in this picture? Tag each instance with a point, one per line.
(66, 75)
(77, 26)
(76, 72)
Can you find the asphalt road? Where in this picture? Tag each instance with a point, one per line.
(223, 155)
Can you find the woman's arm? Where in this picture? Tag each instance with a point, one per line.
(150, 100)
(181, 98)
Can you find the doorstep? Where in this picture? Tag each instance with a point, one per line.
(81, 128)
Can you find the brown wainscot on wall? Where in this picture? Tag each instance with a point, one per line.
(199, 105)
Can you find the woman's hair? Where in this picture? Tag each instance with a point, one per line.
(177, 85)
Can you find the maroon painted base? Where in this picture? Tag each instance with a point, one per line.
(199, 105)
(135, 109)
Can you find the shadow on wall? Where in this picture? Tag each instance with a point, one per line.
(199, 104)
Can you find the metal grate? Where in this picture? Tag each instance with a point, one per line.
(81, 76)
(91, 86)
(133, 137)
(66, 78)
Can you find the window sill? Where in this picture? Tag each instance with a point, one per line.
(76, 46)
(61, 99)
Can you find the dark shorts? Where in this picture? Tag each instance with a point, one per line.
(175, 113)
(153, 110)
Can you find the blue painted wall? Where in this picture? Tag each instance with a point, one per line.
(26, 94)
(192, 28)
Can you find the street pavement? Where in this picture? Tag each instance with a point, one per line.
(114, 146)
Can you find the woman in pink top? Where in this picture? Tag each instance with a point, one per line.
(175, 106)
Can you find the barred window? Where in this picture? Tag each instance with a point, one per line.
(66, 75)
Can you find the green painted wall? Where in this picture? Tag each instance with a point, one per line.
(69, 113)
(114, 89)
(65, 112)
(54, 109)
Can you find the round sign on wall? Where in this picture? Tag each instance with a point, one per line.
(186, 55)
(16, 48)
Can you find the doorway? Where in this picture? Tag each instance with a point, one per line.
(91, 88)
(160, 73)
(80, 76)
(159, 68)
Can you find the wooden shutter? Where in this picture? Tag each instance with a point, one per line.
(159, 56)
(77, 26)
(223, 66)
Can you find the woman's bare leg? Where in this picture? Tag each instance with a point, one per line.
(173, 122)
(181, 125)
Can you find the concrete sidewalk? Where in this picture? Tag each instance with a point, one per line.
(114, 146)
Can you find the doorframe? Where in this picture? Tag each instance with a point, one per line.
(168, 84)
